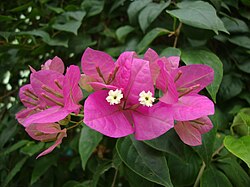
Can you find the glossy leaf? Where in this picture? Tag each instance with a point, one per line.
(134, 8)
(242, 41)
(150, 13)
(215, 178)
(207, 58)
(234, 172)
(89, 139)
(143, 160)
(123, 31)
(198, 14)
(149, 38)
(239, 147)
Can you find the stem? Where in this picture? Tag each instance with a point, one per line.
(113, 183)
(177, 33)
(73, 126)
(218, 150)
(200, 174)
(78, 115)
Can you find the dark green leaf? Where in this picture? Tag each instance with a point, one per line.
(41, 166)
(134, 8)
(136, 180)
(32, 148)
(150, 13)
(101, 169)
(143, 160)
(242, 41)
(234, 172)
(15, 146)
(93, 7)
(198, 14)
(230, 87)
(184, 169)
(14, 171)
(215, 178)
(207, 58)
(239, 147)
(149, 38)
(171, 51)
(116, 4)
(69, 21)
(89, 139)
(234, 25)
(123, 31)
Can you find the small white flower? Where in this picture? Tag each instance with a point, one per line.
(146, 98)
(114, 97)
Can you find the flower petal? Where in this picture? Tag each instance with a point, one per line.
(139, 80)
(27, 96)
(47, 78)
(152, 122)
(57, 142)
(50, 115)
(173, 61)
(99, 86)
(105, 118)
(23, 114)
(124, 63)
(43, 131)
(193, 75)
(91, 59)
(192, 107)
(71, 91)
(56, 64)
(190, 131)
(166, 84)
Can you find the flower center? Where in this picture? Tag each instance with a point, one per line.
(114, 97)
(146, 98)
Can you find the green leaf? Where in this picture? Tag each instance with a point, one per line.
(171, 51)
(46, 38)
(6, 18)
(239, 147)
(134, 8)
(116, 4)
(230, 86)
(69, 21)
(15, 146)
(88, 141)
(169, 143)
(93, 7)
(234, 172)
(123, 31)
(184, 169)
(150, 13)
(205, 150)
(41, 166)
(207, 58)
(101, 169)
(214, 178)
(144, 160)
(136, 180)
(234, 25)
(198, 14)
(32, 148)
(241, 122)
(242, 41)
(149, 38)
(14, 171)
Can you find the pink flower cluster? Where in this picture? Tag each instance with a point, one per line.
(141, 96)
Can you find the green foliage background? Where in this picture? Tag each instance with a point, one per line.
(212, 32)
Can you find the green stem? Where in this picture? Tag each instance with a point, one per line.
(73, 126)
(200, 174)
(113, 183)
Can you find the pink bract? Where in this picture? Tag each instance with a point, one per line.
(133, 77)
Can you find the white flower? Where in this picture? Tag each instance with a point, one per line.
(114, 97)
(146, 98)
